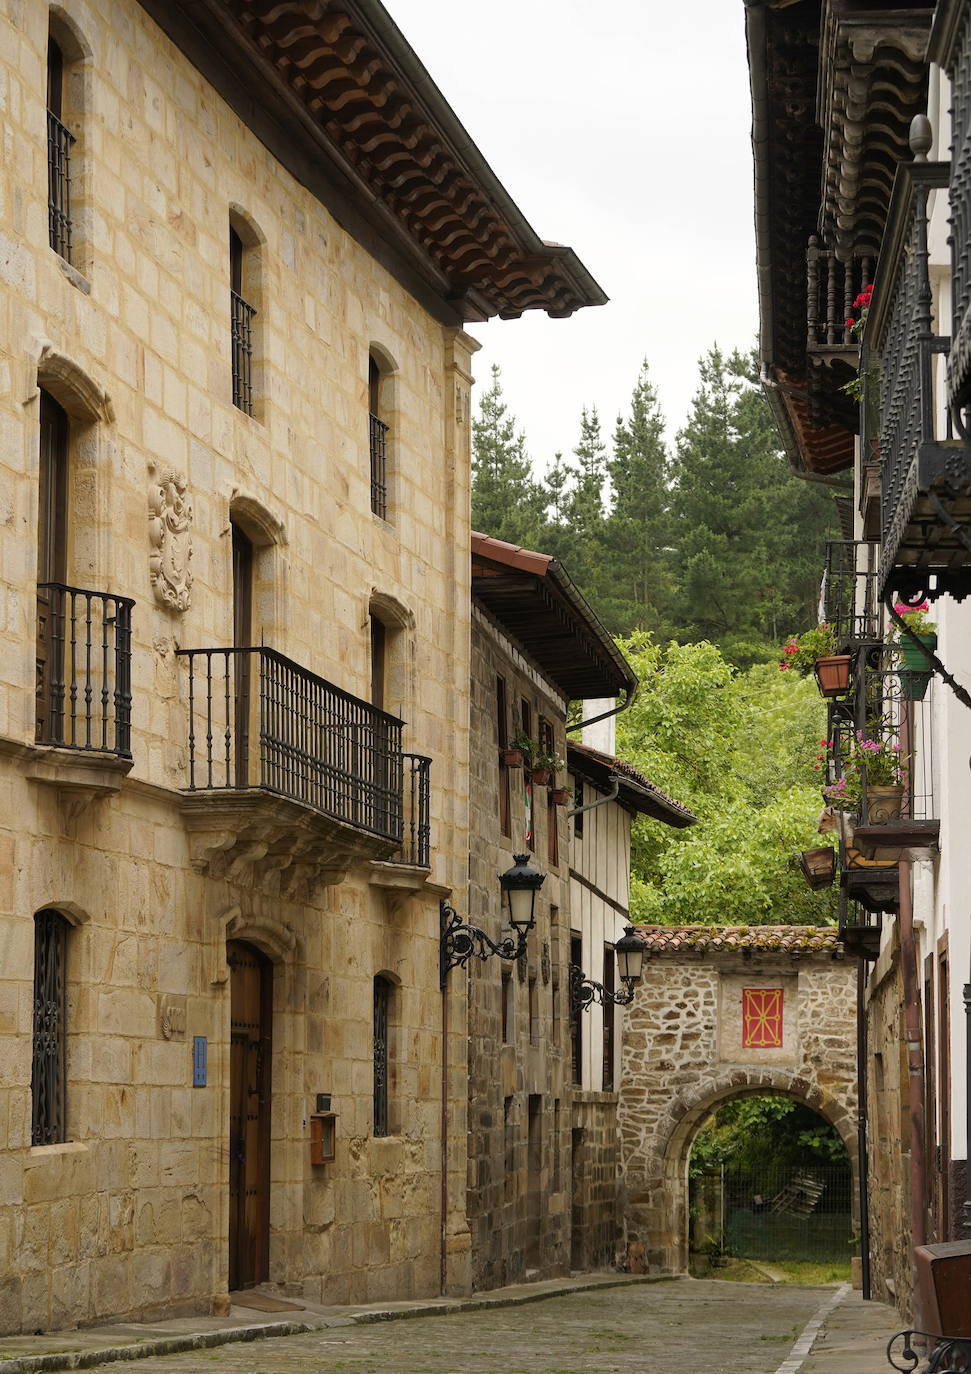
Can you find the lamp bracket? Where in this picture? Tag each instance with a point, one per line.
(584, 991)
(461, 942)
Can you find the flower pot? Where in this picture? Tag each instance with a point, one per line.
(916, 673)
(818, 867)
(540, 776)
(560, 796)
(833, 675)
(884, 804)
(512, 758)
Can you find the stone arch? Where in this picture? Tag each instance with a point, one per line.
(270, 936)
(400, 651)
(662, 1200)
(74, 914)
(74, 389)
(69, 34)
(268, 536)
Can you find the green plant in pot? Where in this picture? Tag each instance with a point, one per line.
(544, 765)
(876, 760)
(916, 671)
(814, 651)
(519, 751)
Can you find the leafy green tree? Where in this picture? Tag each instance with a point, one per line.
(506, 502)
(750, 1132)
(738, 748)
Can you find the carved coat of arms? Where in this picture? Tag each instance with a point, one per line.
(169, 522)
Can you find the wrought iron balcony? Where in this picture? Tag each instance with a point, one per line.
(925, 471)
(379, 467)
(849, 594)
(298, 776)
(83, 670)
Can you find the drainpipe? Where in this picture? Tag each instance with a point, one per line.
(443, 1252)
(605, 715)
(915, 1075)
(861, 1129)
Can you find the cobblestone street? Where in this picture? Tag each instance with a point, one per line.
(666, 1328)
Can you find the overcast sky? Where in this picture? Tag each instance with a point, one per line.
(622, 129)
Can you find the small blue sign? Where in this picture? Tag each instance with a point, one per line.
(198, 1061)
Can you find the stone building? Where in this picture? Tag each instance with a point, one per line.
(862, 136)
(724, 1012)
(608, 794)
(536, 646)
(235, 265)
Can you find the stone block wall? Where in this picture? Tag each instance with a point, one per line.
(519, 1089)
(128, 1217)
(596, 1174)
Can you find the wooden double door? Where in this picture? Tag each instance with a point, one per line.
(250, 1088)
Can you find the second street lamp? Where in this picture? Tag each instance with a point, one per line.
(630, 958)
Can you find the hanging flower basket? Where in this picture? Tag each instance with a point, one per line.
(916, 674)
(512, 758)
(560, 796)
(819, 866)
(540, 776)
(833, 675)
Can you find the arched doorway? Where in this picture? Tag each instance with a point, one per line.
(769, 1182)
(250, 1097)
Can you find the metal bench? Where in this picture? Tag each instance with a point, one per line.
(944, 1354)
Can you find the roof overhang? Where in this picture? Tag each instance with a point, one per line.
(532, 598)
(634, 791)
(338, 96)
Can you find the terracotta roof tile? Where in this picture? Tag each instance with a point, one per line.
(699, 939)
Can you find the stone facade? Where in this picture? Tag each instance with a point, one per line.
(127, 1215)
(596, 1175)
(682, 1057)
(518, 1015)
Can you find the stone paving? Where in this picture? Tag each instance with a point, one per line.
(677, 1327)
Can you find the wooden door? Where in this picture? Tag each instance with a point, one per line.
(242, 639)
(251, 987)
(51, 567)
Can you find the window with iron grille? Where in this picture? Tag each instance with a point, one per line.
(576, 1023)
(60, 140)
(48, 1084)
(242, 316)
(609, 1011)
(383, 989)
(502, 731)
(378, 442)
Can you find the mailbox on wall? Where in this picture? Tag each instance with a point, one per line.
(323, 1132)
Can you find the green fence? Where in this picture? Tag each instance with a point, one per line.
(777, 1214)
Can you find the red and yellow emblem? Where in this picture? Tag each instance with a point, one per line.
(761, 1018)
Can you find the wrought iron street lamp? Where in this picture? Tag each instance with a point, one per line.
(461, 941)
(630, 958)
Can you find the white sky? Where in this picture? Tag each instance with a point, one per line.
(623, 130)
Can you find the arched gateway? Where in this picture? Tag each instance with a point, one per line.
(723, 1012)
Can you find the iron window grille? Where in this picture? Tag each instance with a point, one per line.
(243, 315)
(84, 669)
(59, 143)
(379, 467)
(48, 1081)
(382, 1004)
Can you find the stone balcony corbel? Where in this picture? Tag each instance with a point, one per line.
(256, 838)
(78, 777)
(399, 881)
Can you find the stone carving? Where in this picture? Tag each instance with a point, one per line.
(170, 518)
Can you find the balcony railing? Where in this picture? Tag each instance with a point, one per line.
(831, 288)
(859, 929)
(243, 315)
(59, 143)
(83, 669)
(849, 593)
(379, 467)
(257, 720)
(959, 362)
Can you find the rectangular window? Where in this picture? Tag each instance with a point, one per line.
(382, 1007)
(502, 734)
(576, 1024)
(577, 804)
(48, 1084)
(609, 1010)
(59, 143)
(506, 1006)
(509, 1147)
(243, 315)
(557, 1172)
(533, 1012)
(379, 443)
(552, 832)
(526, 715)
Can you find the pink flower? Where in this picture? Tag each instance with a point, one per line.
(816, 767)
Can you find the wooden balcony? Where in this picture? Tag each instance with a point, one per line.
(291, 780)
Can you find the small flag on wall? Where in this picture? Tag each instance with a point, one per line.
(761, 1018)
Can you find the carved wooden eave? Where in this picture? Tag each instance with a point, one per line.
(338, 96)
(872, 81)
(258, 839)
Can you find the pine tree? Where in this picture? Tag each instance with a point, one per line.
(584, 533)
(506, 502)
(637, 533)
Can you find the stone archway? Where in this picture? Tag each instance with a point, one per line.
(685, 1052)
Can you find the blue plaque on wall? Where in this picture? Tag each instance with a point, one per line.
(198, 1061)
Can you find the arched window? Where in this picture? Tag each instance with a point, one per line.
(383, 1001)
(48, 1080)
(245, 283)
(66, 97)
